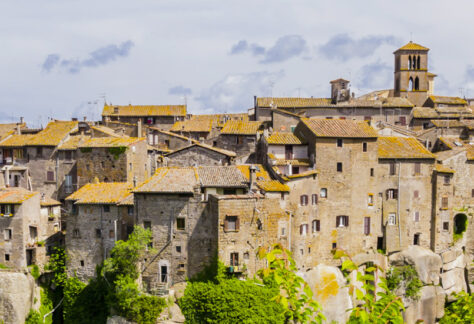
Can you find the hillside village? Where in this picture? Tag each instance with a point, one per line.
(389, 171)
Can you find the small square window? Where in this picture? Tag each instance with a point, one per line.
(392, 219)
(82, 263)
(147, 224)
(7, 234)
(339, 142)
(98, 233)
(364, 147)
(178, 249)
(323, 193)
(334, 245)
(181, 267)
(106, 208)
(180, 224)
(75, 233)
(445, 226)
(231, 224)
(371, 172)
(7, 257)
(339, 166)
(130, 210)
(111, 234)
(447, 179)
(50, 175)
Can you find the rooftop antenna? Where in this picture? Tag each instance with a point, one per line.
(461, 91)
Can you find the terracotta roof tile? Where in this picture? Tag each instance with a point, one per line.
(16, 140)
(170, 180)
(235, 127)
(111, 142)
(443, 169)
(47, 201)
(15, 195)
(204, 146)
(448, 100)
(155, 110)
(102, 193)
(9, 129)
(107, 131)
(221, 176)
(293, 102)
(339, 128)
(273, 186)
(393, 147)
(73, 142)
(413, 47)
(282, 138)
(446, 123)
(53, 134)
(264, 181)
(189, 126)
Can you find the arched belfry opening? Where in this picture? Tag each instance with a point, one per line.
(418, 63)
(409, 62)
(417, 83)
(410, 84)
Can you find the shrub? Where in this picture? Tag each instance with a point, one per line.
(459, 311)
(33, 317)
(35, 271)
(405, 277)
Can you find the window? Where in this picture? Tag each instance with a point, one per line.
(98, 233)
(392, 194)
(323, 193)
(370, 199)
(282, 196)
(301, 251)
(116, 110)
(33, 232)
(50, 175)
(39, 151)
(7, 234)
(111, 234)
(102, 164)
(295, 170)
(416, 194)
(259, 225)
(392, 219)
(334, 245)
(392, 168)
(314, 199)
(371, 172)
(303, 229)
(180, 224)
(82, 263)
(304, 200)
(106, 208)
(130, 166)
(364, 147)
(7, 210)
(339, 142)
(447, 179)
(239, 140)
(445, 226)
(68, 155)
(68, 183)
(75, 233)
(339, 166)
(342, 221)
(7, 257)
(416, 239)
(366, 225)
(367, 118)
(181, 267)
(315, 226)
(444, 202)
(417, 216)
(246, 256)
(234, 259)
(472, 193)
(283, 231)
(147, 224)
(178, 249)
(130, 210)
(417, 167)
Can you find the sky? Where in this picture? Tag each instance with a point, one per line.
(63, 58)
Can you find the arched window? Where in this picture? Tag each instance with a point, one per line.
(409, 62)
(410, 84)
(417, 83)
(418, 63)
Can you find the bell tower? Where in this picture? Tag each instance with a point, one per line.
(411, 73)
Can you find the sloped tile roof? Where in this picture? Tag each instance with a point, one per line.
(396, 102)
(102, 193)
(339, 128)
(294, 162)
(446, 123)
(443, 168)
(273, 186)
(16, 140)
(111, 142)
(15, 195)
(293, 102)
(448, 100)
(53, 134)
(107, 131)
(198, 125)
(73, 142)
(172, 134)
(303, 174)
(204, 146)
(237, 127)
(413, 47)
(143, 111)
(264, 181)
(170, 180)
(283, 138)
(47, 201)
(442, 112)
(286, 112)
(393, 147)
(221, 176)
(9, 129)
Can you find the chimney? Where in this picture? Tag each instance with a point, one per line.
(74, 119)
(22, 120)
(255, 101)
(139, 128)
(85, 118)
(252, 172)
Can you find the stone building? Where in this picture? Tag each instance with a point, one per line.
(24, 228)
(196, 129)
(50, 209)
(101, 214)
(162, 117)
(404, 176)
(166, 141)
(284, 121)
(240, 137)
(39, 154)
(199, 154)
(113, 159)
(421, 117)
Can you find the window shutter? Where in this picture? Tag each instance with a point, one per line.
(301, 229)
(337, 221)
(417, 216)
(395, 194)
(301, 200)
(417, 167)
(226, 224)
(367, 225)
(237, 223)
(318, 225)
(416, 193)
(346, 220)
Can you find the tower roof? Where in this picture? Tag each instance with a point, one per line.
(412, 47)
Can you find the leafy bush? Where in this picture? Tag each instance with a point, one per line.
(459, 311)
(230, 301)
(405, 277)
(35, 271)
(34, 317)
(57, 265)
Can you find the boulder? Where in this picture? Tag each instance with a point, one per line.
(450, 255)
(426, 262)
(16, 296)
(179, 289)
(453, 281)
(458, 262)
(118, 320)
(428, 308)
(329, 289)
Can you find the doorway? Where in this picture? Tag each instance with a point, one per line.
(164, 273)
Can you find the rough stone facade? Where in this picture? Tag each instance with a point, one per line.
(195, 156)
(243, 145)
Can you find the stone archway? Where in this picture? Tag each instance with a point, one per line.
(460, 224)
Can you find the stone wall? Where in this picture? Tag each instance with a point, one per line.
(245, 147)
(16, 296)
(196, 156)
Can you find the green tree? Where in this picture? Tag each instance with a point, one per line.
(294, 294)
(387, 308)
(459, 311)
